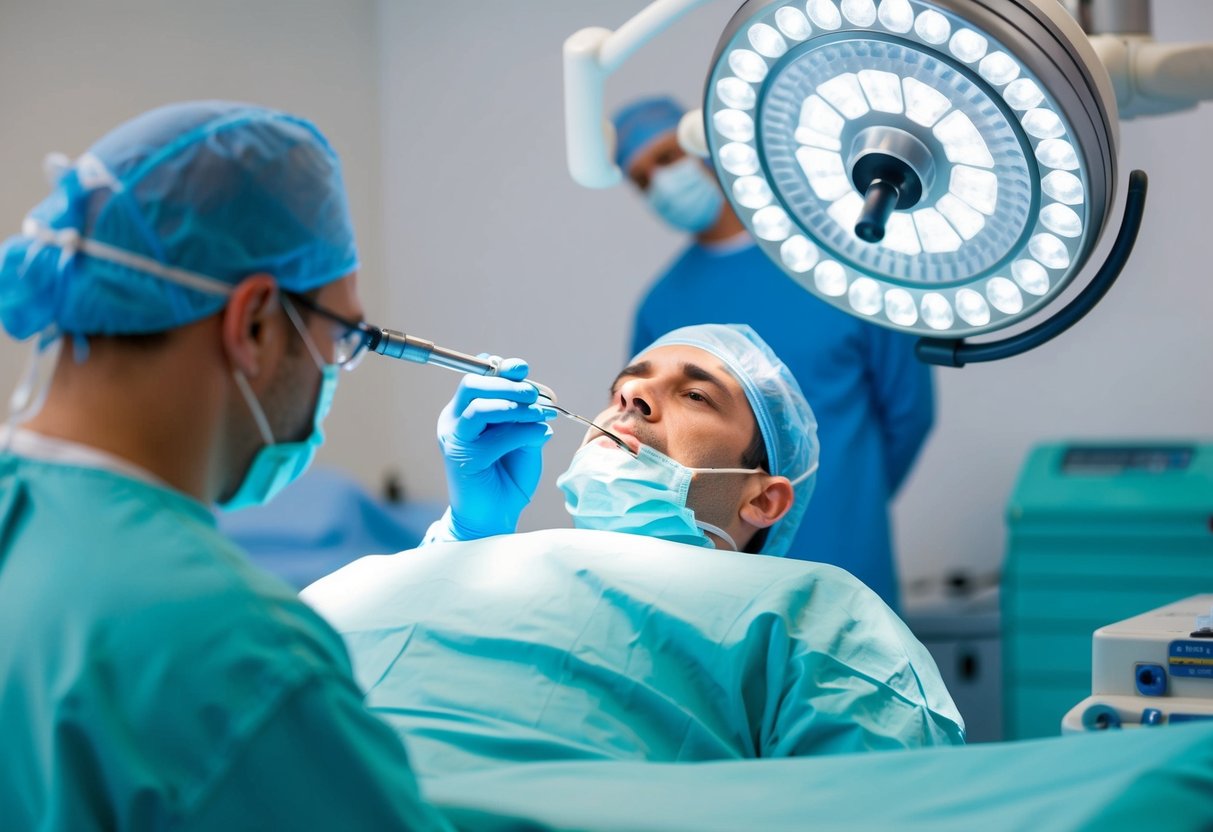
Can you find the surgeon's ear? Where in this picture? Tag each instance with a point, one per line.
(770, 501)
(249, 323)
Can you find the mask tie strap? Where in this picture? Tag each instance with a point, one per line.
(31, 391)
(71, 242)
(812, 470)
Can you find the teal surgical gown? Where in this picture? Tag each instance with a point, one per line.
(872, 397)
(151, 678)
(572, 644)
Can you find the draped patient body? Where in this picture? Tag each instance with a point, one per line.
(580, 645)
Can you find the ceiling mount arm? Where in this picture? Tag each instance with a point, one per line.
(590, 56)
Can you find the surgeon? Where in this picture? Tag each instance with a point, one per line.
(640, 634)
(873, 399)
(193, 266)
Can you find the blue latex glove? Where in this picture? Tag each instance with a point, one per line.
(491, 435)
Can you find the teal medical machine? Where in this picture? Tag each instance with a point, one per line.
(1097, 532)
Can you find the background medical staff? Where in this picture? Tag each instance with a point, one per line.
(196, 264)
(872, 398)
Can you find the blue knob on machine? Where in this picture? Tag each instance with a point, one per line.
(1151, 716)
(1100, 718)
(1151, 679)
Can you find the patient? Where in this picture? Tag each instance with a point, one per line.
(727, 449)
(639, 635)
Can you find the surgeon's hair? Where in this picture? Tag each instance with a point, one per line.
(136, 341)
(755, 456)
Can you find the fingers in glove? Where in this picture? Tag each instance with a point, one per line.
(481, 414)
(515, 369)
(491, 387)
(498, 441)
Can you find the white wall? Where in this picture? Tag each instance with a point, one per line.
(493, 248)
(69, 71)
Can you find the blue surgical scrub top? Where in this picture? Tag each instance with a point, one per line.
(873, 399)
(151, 678)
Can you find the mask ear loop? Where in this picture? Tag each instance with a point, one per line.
(708, 527)
(716, 530)
(721, 533)
(31, 391)
(250, 398)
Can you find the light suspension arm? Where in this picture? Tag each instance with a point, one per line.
(590, 56)
(1152, 78)
(1149, 78)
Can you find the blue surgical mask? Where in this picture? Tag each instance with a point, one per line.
(278, 464)
(685, 195)
(608, 489)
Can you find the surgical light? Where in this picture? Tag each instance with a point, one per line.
(940, 167)
(862, 121)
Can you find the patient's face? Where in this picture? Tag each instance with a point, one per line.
(683, 402)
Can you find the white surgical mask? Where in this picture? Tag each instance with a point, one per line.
(685, 195)
(608, 489)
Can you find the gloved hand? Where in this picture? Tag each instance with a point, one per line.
(491, 435)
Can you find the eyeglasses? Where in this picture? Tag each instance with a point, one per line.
(349, 347)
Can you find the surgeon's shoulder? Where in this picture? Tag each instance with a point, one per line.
(220, 611)
(202, 651)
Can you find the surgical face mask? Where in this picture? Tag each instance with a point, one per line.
(278, 464)
(610, 490)
(685, 195)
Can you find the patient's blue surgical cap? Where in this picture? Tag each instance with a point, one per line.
(642, 122)
(785, 420)
(151, 228)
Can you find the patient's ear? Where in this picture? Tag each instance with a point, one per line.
(767, 505)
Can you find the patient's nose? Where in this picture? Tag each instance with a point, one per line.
(633, 396)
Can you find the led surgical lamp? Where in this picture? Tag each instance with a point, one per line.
(939, 167)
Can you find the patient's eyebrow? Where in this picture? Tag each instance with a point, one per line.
(640, 369)
(696, 373)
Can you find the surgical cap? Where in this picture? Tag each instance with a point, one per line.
(641, 123)
(785, 420)
(151, 228)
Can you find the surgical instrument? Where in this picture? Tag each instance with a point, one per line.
(395, 344)
(588, 423)
(398, 345)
